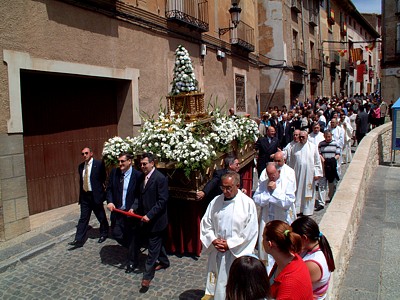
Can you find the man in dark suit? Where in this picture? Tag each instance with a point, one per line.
(287, 131)
(92, 175)
(213, 187)
(266, 146)
(122, 190)
(362, 124)
(152, 205)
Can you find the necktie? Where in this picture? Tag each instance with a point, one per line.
(145, 181)
(121, 186)
(86, 178)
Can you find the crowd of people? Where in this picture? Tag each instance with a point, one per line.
(265, 246)
(300, 152)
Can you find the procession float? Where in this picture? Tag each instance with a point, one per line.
(190, 142)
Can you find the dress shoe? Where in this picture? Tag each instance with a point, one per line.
(76, 243)
(145, 286)
(319, 207)
(160, 267)
(102, 239)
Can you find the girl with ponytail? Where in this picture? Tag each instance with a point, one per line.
(289, 277)
(316, 253)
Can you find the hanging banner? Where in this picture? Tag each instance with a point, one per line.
(361, 69)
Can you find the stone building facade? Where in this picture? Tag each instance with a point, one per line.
(76, 73)
(391, 50)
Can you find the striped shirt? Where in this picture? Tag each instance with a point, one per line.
(328, 150)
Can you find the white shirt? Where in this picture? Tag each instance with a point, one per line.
(89, 164)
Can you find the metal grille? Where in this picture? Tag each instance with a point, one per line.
(243, 35)
(240, 93)
(191, 12)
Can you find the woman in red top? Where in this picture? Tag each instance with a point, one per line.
(289, 277)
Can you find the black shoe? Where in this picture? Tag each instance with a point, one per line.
(76, 243)
(132, 269)
(102, 239)
(319, 207)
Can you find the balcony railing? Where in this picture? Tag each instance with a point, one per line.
(344, 64)
(313, 17)
(299, 58)
(193, 13)
(296, 5)
(316, 66)
(334, 57)
(243, 36)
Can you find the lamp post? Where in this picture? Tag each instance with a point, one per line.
(235, 11)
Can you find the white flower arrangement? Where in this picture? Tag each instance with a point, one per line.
(170, 139)
(114, 147)
(190, 146)
(248, 130)
(224, 131)
(184, 79)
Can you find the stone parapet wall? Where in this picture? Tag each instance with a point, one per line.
(14, 210)
(341, 220)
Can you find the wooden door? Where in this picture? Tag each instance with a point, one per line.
(61, 115)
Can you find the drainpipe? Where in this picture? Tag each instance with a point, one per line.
(305, 54)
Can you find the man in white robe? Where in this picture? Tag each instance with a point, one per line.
(308, 169)
(275, 195)
(288, 149)
(228, 229)
(348, 134)
(316, 136)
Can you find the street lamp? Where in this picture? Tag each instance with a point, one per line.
(235, 11)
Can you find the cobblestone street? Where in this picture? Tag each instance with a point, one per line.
(98, 272)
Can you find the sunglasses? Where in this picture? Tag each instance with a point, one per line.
(85, 153)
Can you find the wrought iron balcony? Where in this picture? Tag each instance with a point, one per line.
(192, 13)
(243, 36)
(296, 5)
(344, 64)
(299, 58)
(316, 66)
(313, 14)
(334, 57)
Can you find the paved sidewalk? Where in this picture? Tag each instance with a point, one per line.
(373, 270)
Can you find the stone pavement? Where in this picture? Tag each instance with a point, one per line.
(42, 267)
(38, 265)
(373, 270)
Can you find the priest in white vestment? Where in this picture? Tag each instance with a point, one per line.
(228, 229)
(338, 135)
(275, 195)
(316, 136)
(308, 169)
(348, 135)
(288, 149)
